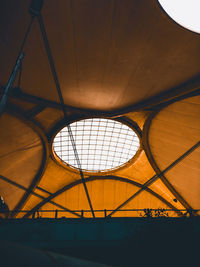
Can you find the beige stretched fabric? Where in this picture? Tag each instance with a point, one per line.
(173, 131)
(103, 50)
(113, 63)
(21, 155)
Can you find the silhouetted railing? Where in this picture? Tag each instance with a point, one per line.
(104, 213)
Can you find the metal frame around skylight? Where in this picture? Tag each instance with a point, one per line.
(102, 144)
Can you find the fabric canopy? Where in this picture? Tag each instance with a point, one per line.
(122, 60)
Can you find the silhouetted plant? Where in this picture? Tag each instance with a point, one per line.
(150, 213)
(160, 213)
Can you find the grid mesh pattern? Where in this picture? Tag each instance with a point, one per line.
(102, 144)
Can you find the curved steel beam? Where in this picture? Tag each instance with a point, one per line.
(35, 194)
(37, 109)
(93, 178)
(188, 88)
(17, 112)
(146, 146)
(156, 177)
(172, 100)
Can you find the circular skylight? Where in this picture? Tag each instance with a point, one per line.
(102, 144)
(184, 12)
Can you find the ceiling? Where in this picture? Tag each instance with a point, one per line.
(124, 59)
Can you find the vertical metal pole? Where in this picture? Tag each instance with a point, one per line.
(105, 213)
(33, 216)
(82, 213)
(56, 214)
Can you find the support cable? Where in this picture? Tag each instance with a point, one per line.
(20, 76)
(156, 176)
(57, 84)
(15, 69)
(37, 195)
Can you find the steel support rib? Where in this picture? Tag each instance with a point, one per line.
(156, 176)
(34, 111)
(94, 178)
(52, 104)
(153, 163)
(37, 195)
(57, 84)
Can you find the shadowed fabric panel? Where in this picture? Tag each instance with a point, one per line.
(102, 50)
(21, 153)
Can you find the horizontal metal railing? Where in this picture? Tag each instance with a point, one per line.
(103, 213)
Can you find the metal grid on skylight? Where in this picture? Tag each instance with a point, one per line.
(102, 144)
